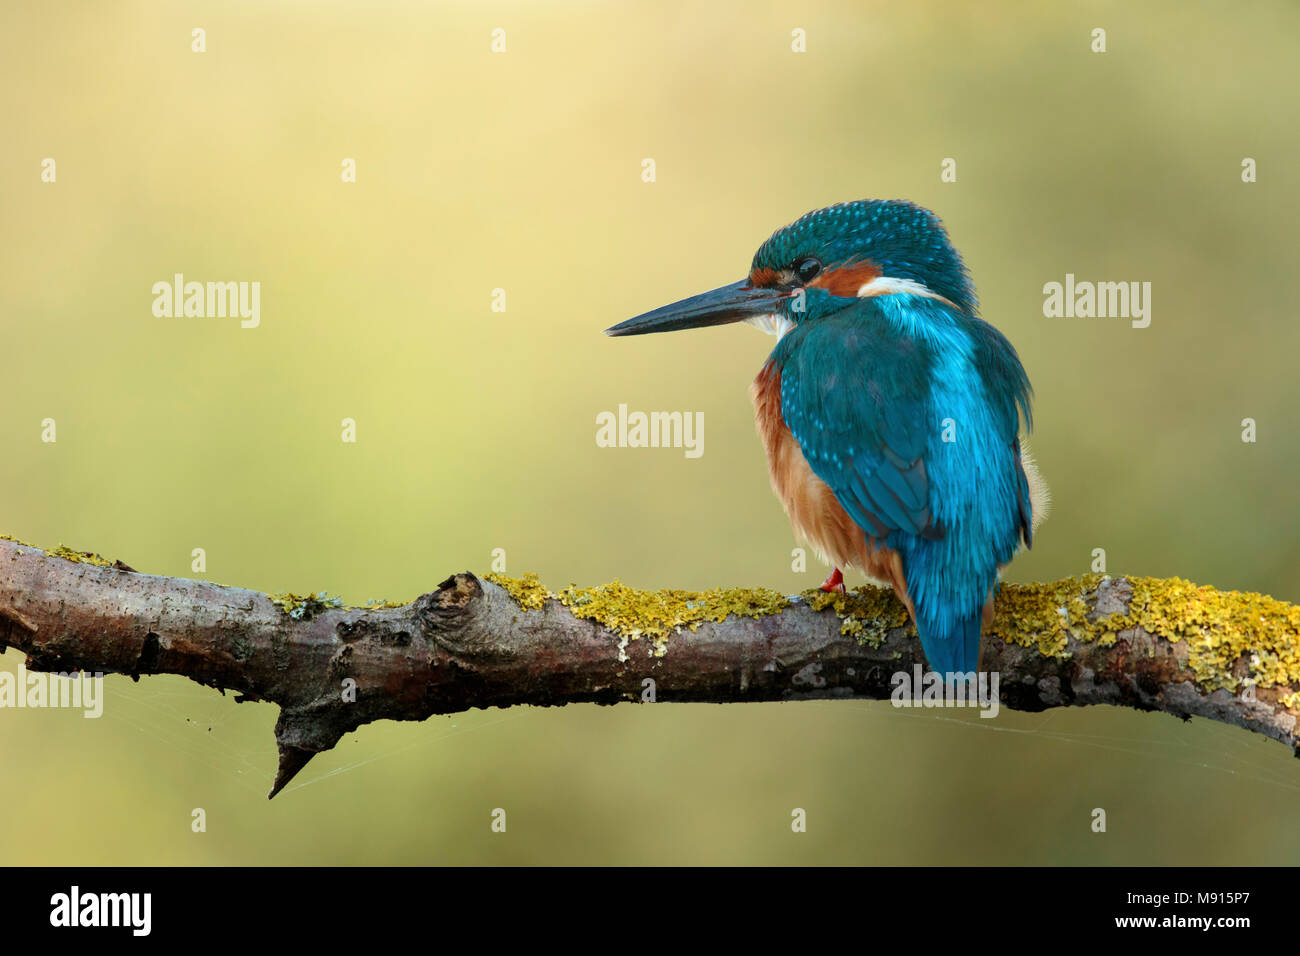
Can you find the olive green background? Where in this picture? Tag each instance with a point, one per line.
(476, 429)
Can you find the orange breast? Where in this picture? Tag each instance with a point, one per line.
(814, 512)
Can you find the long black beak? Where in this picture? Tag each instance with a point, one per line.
(731, 303)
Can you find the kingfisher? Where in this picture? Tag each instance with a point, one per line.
(890, 412)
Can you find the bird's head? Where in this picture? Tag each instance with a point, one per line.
(821, 263)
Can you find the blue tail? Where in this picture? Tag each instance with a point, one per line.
(954, 648)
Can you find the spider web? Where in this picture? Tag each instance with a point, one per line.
(217, 731)
(1232, 751)
(213, 729)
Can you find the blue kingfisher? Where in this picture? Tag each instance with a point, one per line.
(889, 411)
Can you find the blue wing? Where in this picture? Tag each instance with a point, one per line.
(855, 396)
(1008, 388)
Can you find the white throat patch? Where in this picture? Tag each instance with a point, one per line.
(772, 324)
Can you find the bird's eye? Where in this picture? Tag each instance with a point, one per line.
(808, 269)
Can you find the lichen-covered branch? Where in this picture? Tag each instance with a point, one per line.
(1151, 644)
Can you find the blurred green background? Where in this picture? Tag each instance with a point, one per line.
(476, 429)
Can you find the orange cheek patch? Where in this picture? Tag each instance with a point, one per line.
(847, 279)
(763, 277)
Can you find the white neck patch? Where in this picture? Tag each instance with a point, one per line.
(887, 285)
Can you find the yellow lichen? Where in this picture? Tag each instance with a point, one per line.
(527, 591)
(80, 557)
(654, 616)
(1221, 628)
(1045, 616)
(300, 607)
(866, 613)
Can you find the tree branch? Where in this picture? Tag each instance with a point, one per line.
(1151, 644)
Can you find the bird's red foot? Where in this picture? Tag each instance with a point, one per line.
(836, 580)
